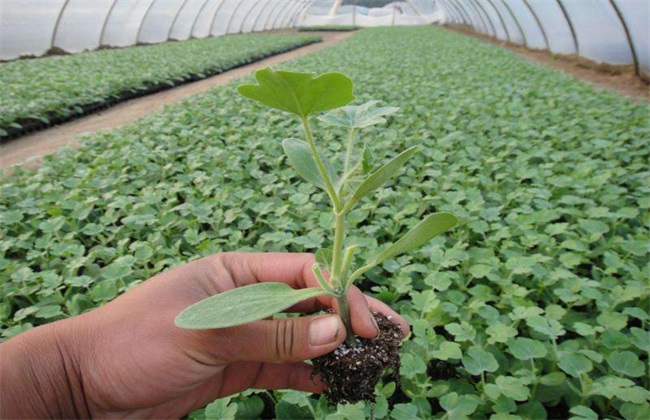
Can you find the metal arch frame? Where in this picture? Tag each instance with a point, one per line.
(214, 17)
(268, 17)
(108, 15)
(486, 28)
(288, 15)
(454, 15)
(232, 16)
(300, 12)
(449, 16)
(467, 18)
(144, 17)
(481, 27)
(417, 11)
(503, 22)
(294, 15)
(196, 18)
(539, 23)
(57, 23)
(268, 2)
(494, 30)
(496, 33)
(459, 13)
(628, 35)
(282, 12)
(178, 12)
(514, 18)
(573, 31)
(241, 25)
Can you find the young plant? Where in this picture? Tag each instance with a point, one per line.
(304, 95)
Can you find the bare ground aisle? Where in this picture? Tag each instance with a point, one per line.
(30, 149)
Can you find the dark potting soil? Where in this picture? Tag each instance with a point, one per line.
(351, 373)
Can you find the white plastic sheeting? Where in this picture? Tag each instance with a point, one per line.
(409, 12)
(34, 27)
(605, 31)
(615, 32)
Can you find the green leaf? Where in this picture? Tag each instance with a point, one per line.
(513, 388)
(631, 411)
(382, 175)
(446, 351)
(221, 409)
(358, 116)
(626, 363)
(302, 159)
(476, 361)
(546, 326)
(299, 93)
(640, 338)
(553, 379)
(583, 412)
(458, 406)
(574, 364)
(432, 226)
(525, 349)
(242, 305)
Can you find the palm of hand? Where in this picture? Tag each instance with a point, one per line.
(143, 366)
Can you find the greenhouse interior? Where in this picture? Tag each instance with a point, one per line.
(325, 209)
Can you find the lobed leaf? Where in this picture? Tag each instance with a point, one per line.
(242, 305)
(358, 116)
(301, 94)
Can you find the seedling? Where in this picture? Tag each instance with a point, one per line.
(304, 95)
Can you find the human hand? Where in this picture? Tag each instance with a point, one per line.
(128, 359)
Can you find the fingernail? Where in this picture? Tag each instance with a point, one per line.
(324, 330)
(374, 322)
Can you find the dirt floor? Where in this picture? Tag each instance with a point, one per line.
(619, 78)
(27, 150)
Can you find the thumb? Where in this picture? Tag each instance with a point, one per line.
(285, 339)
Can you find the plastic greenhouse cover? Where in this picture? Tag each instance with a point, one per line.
(26, 26)
(32, 27)
(81, 25)
(158, 20)
(123, 22)
(555, 26)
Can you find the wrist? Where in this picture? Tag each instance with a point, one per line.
(40, 375)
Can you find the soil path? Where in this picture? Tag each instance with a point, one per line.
(29, 149)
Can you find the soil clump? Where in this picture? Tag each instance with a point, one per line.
(351, 372)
